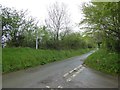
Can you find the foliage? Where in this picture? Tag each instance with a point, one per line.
(105, 61)
(58, 20)
(23, 31)
(22, 58)
(73, 41)
(16, 26)
(103, 17)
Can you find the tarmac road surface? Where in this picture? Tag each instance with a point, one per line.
(69, 73)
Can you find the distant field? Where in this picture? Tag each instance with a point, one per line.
(105, 61)
(20, 58)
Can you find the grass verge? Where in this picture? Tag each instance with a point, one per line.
(20, 58)
(104, 61)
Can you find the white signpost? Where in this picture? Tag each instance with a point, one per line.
(37, 40)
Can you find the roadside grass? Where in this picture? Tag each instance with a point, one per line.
(104, 61)
(14, 59)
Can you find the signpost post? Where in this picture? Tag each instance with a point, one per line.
(37, 40)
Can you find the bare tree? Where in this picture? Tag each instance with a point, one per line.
(58, 20)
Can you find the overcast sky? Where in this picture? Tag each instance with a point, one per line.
(38, 8)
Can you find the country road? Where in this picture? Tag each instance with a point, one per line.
(69, 73)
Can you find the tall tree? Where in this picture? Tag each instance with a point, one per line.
(103, 17)
(58, 20)
(16, 25)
